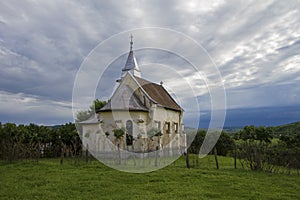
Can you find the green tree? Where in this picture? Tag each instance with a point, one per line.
(86, 114)
(11, 142)
(247, 133)
(197, 141)
(97, 105)
(119, 133)
(154, 132)
(34, 136)
(224, 144)
(255, 150)
(70, 138)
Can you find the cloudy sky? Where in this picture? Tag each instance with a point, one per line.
(255, 45)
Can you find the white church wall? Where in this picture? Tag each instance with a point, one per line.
(95, 140)
(118, 119)
(164, 115)
(174, 118)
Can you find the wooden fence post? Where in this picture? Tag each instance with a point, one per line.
(216, 158)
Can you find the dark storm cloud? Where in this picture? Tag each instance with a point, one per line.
(255, 44)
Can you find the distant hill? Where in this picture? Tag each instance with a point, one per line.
(289, 129)
(55, 126)
(231, 130)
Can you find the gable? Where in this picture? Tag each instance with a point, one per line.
(125, 97)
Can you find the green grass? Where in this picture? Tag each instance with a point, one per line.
(47, 179)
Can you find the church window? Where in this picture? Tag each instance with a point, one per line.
(157, 124)
(129, 135)
(168, 127)
(176, 127)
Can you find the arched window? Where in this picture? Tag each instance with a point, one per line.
(129, 127)
(129, 134)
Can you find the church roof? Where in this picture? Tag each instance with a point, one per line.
(159, 94)
(92, 120)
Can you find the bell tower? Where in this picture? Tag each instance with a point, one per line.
(131, 63)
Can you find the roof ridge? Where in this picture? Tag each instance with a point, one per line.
(146, 80)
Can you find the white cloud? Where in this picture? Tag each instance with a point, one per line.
(196, 6)
(22, 106)
(255, 44)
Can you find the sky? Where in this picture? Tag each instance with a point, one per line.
(254, 44)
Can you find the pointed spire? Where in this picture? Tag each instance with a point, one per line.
(131, 63)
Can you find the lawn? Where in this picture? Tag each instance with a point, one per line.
(48, 179)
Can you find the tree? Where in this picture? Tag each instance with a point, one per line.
(289, 153)
(86, 114)
(255, 150)
(97, 105)
(119, 133)
(247, 133)
(154, 132)
(12, 147)
(34, 136)
(33, 141)
(197, 141)
(264, 134)
(224, 144)
(70, 138)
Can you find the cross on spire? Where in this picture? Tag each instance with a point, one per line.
(131, 42)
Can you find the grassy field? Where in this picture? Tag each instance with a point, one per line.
(47, 179)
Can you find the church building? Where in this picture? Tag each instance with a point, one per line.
(147, 113)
